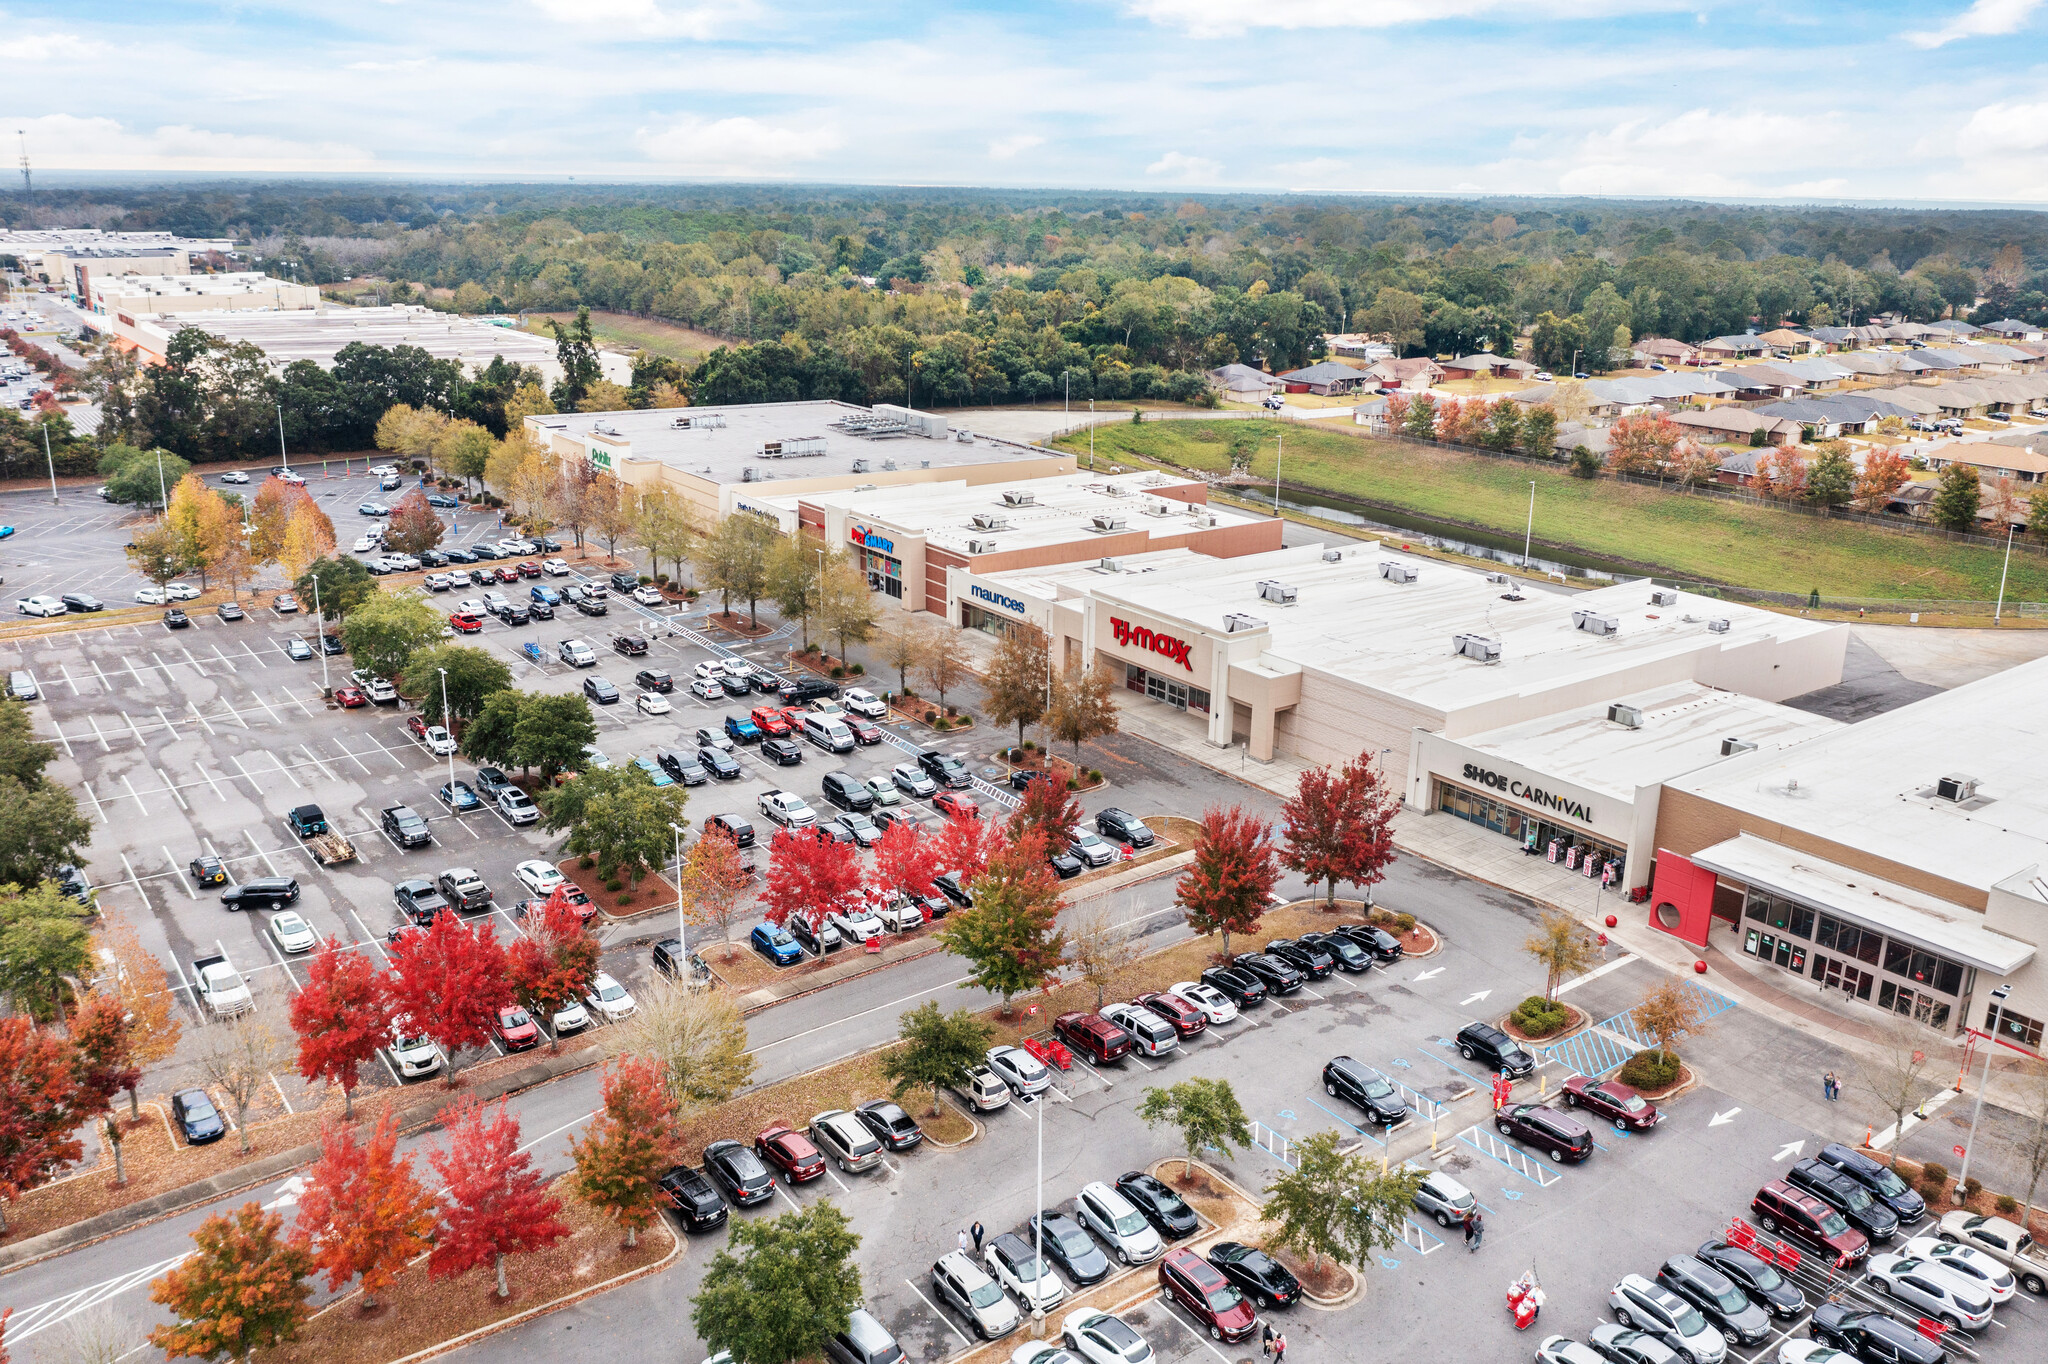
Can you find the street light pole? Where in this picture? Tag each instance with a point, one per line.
(1091, 435)
(1038, 1223)
(52, 461)
(162, 491)
(1529, 532)
(1279, 455)
(445, 718)
(682, 925)
(320, 628)
(1970, 1147)
(1995, 615)
(282, 453)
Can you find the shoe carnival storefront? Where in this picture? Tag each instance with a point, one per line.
(1584, 831)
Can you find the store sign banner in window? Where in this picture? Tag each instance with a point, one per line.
(873, 540)
(1139, 637)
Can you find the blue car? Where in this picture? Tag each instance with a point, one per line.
(776, 945)
(654, 771)
(6, 531)
(443, 500)
(197, 1117)
(459, 797)
(741, 731)
(546, 596)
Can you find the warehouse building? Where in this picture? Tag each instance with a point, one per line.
(131, 297)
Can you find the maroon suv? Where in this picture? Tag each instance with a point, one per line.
(1093, 1036)
(1786, 1211)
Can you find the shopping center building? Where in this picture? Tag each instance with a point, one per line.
(1901, 861)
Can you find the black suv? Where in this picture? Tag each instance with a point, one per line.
(734, 827)
(1344, 1078)
(654, 679)
(1560, 1135)
(693, 1198)
(1719, 1298)
(1846, 1195)
(1383, 945)
(265, 892)
(1312, 961)
(1276, 975)
(846, 792)
(1350, 956)
(1493, 1048)
(1123, 826)
(806, 689)
(1754, 1276)
(625, 582)
(1872, 1335)
(1239, 987)
(945, 769)
(1886, 1186)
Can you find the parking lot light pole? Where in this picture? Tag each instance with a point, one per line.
(282, 453)
(445, 718)
(162, 491)
(1970, 1146)
(1529, 531)
(320, 628)
(1038, 1227)
(682, 925)
(51, 460)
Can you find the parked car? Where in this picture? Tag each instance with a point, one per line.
(1626, 1345)
(1241, 988)
(1638, 1302)
(1719, 1298)
(847, 791)
(1931, 1290)
(197, 1118)
(1124, 827)
(1089, 848)
(1359, 1084)
(1612, 1100)
(846, 1139)
(1185, 1019)
(1872, 1335)
(739, 1172)
(1799, 1216)
(1305, 957)
(893, 1127)
(265, 892)
(1150, 1034)
(1094, 1036)
(693, 1198)
(864, 1341)
(1277, 976)
(1968, 1262)
(1442, 1197)
(788, 809)
(1068, 1246)
(1264, 1279)
(1882, 1182)
(782, 752)
(515, 1029)
(1024, 1073)
(782, 1147)
(1494, 1049)
(1166, 1210)
(963, 1285)
(600, 690)
(1012, 1262)
(1200, 1289)
(1383, 945)
(819, 937)
(1215, 1005)
(719, 762)
(913, 781)
(984, 1091)
(1846, 1195)
(1755, 1276)
(608, 997)
(1557, 1134)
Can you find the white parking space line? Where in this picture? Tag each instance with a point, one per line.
(261, 853)
(222, 795)
(97, 809)
(69, 681)
(350, 755)
(102, 676)
(201, 718)
(316, 762)
(937, 1313)
(175, 793)
(252, 654)
(1200, 1336)
(132, 796)
(266, 707)
(180, 874)
(286, 770)
(225, 659)
(297, 700)
(254, 785)
(170, 728)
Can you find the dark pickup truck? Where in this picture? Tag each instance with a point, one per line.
(407, 829)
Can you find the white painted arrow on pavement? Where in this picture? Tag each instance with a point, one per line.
(287, 1194)
(1468, 999)
(1427, 974)
(1790, 1148)
(1720, 1118)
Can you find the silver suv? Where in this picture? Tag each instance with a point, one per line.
(1120, 1226)
(1442, 1197)
(847, 1140)
(963, 1284)
(1662, 1313)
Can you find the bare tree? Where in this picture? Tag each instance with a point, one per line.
(695, 1036)
(1563, 947)
(1100, 948)
(904, 648)
(236, 1060)
(1892, 1074)
(613, 512)
(96, 1335)
(944, 665)
(1083, 705)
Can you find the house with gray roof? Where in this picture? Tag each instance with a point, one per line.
(1954, 327)
(1487, 366)
(1242, 383)
(1733, 347)
(2012, 329)
(1327, 379)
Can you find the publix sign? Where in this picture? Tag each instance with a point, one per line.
(873, 540)
(980, 593)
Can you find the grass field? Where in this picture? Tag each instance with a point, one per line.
(639, 333)
(1702, 538)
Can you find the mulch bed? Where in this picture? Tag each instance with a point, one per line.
(1330, 1282)
(737, 624)
(652, 891)
(1576, 1021)
(417, 1313)
(929, 713)
(1986, 1201)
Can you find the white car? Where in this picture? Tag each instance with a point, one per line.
(912, 780)
(710, 670)
(1932, 1290)
(517, 807)
(576, 653)
(383, 471)
(412, 1053)
(593, 756)
(1214, 1004)
(825, 705)
(707, 689)
(149, 594)
(439, 741)
(647, 596)
(1100, 1338)
(292, 933)
(1015, 1264)
(735, 667)
(1967, 1261)
(571, 1017)
(289, 477)
(788, 809)
(1653, 1308)
(511, 547)
(554, 568)
(609, 998)
(1811, 1352)
(50, 606)
(234, 476)
(866, 703)
(652, 703)
(539, 877)
(470, 606)
(365, 543)
(855, 925)
(181, 592)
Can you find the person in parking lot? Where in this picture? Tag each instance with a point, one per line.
(1280, 1348)
(1475, 1230)
(978, 1234)
(963, 1242)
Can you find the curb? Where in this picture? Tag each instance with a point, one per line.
(946, 1097)
(169, 1203)
(930, 948)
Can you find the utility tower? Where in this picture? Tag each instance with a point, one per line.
(28, 188)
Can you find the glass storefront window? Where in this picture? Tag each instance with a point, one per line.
(2013, 1027)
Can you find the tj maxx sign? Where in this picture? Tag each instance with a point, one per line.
(1138, 637)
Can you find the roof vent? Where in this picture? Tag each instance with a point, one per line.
(1111, 566)
(1594, 623)
(1731, 747)
(981, 546)
(1158, 506)
(1621, 714)
(991, 521)
(1332, 556)
(1274, 591)
(860, 466)
(889, 466)
(1718, 625)
(1235, 622)
(1481, 647)
(1019, 497)
(747, 473)
(1956, 787)
(1497, 577)
(1664, 596)
(1397, 573)
(964, 437)
(1105, 523)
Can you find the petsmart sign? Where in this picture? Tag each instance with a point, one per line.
(873, 540)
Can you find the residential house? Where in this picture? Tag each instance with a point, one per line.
(1738, 468)
(1907, 331)
(1730, 424)
(1663, 350)
(2014, 330)
(1412, 375)
(1486, 366)
(1788, 342)
(1835, 338)
(1955, 327)
(1328, 379)
(1723, 348)
(1993, 461)
(1754, 382)
(1819, 375)
(1242, 383)
(1372, 414)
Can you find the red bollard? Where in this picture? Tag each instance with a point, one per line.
(1699, 968)
(1613, 922)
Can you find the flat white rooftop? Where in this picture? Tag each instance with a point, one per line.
(316, 334)
(1065, 582)
(1062, 510)
(57, 238)
(1682, 728)
(140, 289)
(1872, 785)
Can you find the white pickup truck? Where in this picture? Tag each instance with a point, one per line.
(222, 991)
(2004, 1240)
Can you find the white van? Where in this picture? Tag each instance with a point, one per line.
(828, 734)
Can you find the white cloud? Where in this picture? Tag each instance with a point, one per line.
(735, 146)
(2005, 128)
(1005, 148)
(1708, 152)
(647, 18)
(1187, 169)
(28, 48)
(1983, 19)
(65, 142)
(1221, 18)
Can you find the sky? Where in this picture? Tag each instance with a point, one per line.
(1860, 99)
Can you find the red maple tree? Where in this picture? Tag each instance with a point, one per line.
(1048, 807)
(553, 961)
(495, 1203)
(103, 1054)
(450, 981)
(966, 844)
(363, 1213)
(38, 1107)
(341, 1016)
(906, 859)
(241, 1289)
(1230, 884)
(629, 1145)
(808, 874)
(1339, 826)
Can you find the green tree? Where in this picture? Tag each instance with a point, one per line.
(474, 676)
(1831, 477)
(1586, 463)
(2037, 516)
(1562, 947)
(1539, 431)
(463, 449)
(158, 552)
(344, 585)
(576, 350)
(1018, 679)
(1206, 1112)
(846, 606)
(616, 815)
(795, 571)
(779, 1287)
(22, 755)
(552, 733)
(1338, 1207)
(41, 942)
(1421, 419)
(493, 736)
(383, 633)
(1958, 493)
(40, 830)
(141, 478)
(1011, 938)
(243, 1288)
(733, 561)
(938, 1051)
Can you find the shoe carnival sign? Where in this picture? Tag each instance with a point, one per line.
(1523, 791)
(1141, 638)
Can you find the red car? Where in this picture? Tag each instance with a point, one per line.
(1202, 1291)
(1612, 1100)
(790, 1152)
(465, 624)
(350, 697)
(951, 803)
(578, 901)
(505, 573)
(1187, 1020)
(529, 569)
(416, 725)
(770, 721)
(793, 716)
(515, 1030)
(1094, 1036)
(864, 731)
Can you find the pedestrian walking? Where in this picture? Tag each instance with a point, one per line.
(963, 1242)
(1266, 1341)
(1475, 1230)
(1829, 1088)
(1280, 1349)
(978, 1234)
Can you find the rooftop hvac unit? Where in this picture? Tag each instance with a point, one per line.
(889, 466)
(1332, 556)
(991, 521)
(1620, 714)
(860, 466)
(1111, 566)
(1664, 596)
(1235, 622)
(1276, 592)
(604, 429)
(1956, 787)
(796, 447)
(1496, 577)
(1157, 507)
(1397, 573)
(981, 546)
(1731, 747)
(1476, 646)
(1018, 497)
(1718, 625)
(964, 437)
(1103, 524)
(1594, 623)
(746, 473)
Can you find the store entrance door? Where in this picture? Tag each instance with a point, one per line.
(1174, 694)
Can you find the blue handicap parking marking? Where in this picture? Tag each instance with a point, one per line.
(1622, 1134)
(1389, 1262)
(1512, 1195)
(1287, 1113)
(1402, 1064)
